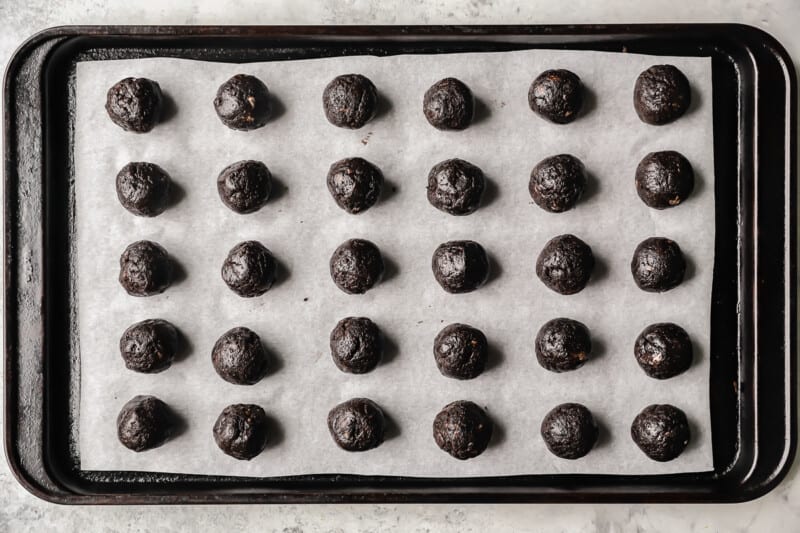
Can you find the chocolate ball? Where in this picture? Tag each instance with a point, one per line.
(241, 431)
(557, 183)
(663, 350)
(661, 94)
(462, 429)
(355, 184)
(135, 104)
(356, 266)
(563, 344)
(245, 186)
(356, 345)
(661, 432)
(145, 269)
(565, 264)
(460, 351)
(357, 425)
(243, 103)
(350, 101)
(239, 357)
(448, 105)
(460, 266)
(569, 430)
(249, 270)
(664, 179)
(455, 186)
(658, 265)
(149, 346)
(144, 423)
(556, 95)
(143, 189)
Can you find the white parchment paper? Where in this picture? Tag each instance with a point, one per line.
(302, 226)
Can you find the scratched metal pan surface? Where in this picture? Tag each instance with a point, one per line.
(753, 315)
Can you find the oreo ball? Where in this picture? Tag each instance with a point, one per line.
(239, 357)
(357, 425)
(149, 346)
(663, 350)
(563, 344)
(355, 184)
(460, 266)
(249, 270)
(356, 266)
(241, 431)
(143, 189)
(661, 94)
(565, 264)
(455, 186)
(462, 429)
(449, 105)
(569, 430)
(245, 186)
(658, 265)
(556, 95)
(243, 103)
(135, 104)
(144, 423)
(661, 432)
(664, 179)
(145, 269)
(356, 345)
(350, 101)
(460, 351)
(557, 183)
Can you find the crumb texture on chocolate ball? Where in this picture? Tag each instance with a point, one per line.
(661, 95)
(243, 103)
(460, 266)
(355, 184)
(245, 186)
(449, 105)
(144, 423)
(664, 179)
(663, 350)
(250, 269)
(145, 269)
(557, 183)
(357, 425)
(460, 351)
(661, 432)
(356, 266)
(565, 264)
(135, 104)
(658, 265)
(563, 344)
(239, 357)
(241, 431)
(143, 188)
(149, 346)
(350, 101)
(569, 430)
(556, 95)
(356, 345)
(456, 186)
(462, 429)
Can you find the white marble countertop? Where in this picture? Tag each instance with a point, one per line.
(19, 511)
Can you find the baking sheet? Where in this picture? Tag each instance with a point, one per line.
(302, 226)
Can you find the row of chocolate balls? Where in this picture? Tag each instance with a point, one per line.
(564, 265)
(661, 94)
(462, 428)
(662, 179)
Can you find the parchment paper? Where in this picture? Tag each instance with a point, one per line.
(302, 226)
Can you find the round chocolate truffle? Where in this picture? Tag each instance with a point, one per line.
(357, 425)
(661, 94)
(663, 350)
(242, 103)
(145, 422)
(356, 266)
(462, 429)
(563, 344)
(569, 430)
(658, 265)
(449, 105)
(149, 346)
(664, 179)
(460, 266)
(145, 269)
(241, 430)
(245, 186)
(661, 432)
(249, 270)
(565, 264)
(456, 186)
(460, 351)
(355, 184)
(350, 101)
(239, 357)
(557, 183)
(556, 95)
(356, 345)
(135, 104)
(143, 189)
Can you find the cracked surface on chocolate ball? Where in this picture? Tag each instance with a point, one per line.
(356, 345)
(239, 357)
(557, 183)
(455, 186)
(448, 105)
(249, 270)
(356, 266)
(357, 425)
(556, 95)
(661, 94)
(243, 103)
(658, 265)
(663, 350)
(462, 429)
(241, 431)
(355, 184)
(350, 101)
(661, 432)
(563, 344)
(135, 104)
(565, 264)
(145, 269)
(664, 179)
(460, 351)
(149, 346)
(145, 422)
(569, 430)
(460, 266)
(143, 188)
(245, 186)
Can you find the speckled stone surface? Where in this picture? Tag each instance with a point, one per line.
(19, 511)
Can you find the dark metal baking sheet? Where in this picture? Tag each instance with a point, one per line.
(753, 330)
